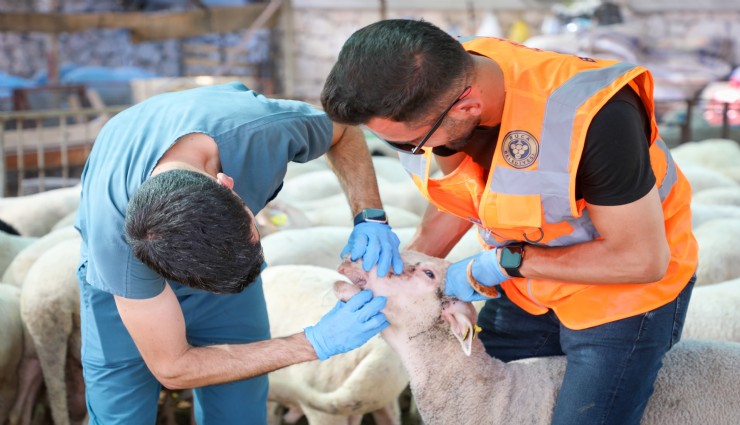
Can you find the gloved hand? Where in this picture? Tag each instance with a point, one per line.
(348, 325)
(376, 244)
(485, 270)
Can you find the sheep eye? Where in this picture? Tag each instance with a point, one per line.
(429, 274)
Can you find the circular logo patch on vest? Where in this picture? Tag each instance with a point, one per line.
(520, 149)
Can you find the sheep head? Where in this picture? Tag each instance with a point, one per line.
(416, 301)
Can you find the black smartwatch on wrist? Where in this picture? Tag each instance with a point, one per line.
(511, 258)
(371, 215)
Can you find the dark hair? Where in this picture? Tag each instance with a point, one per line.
(398, 69)
(194, 231)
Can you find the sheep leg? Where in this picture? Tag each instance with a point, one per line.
(354, 420)
(293, 415)
(388, 415)
(30, 382)
(75, 380)
(316, 417)
(51, 339)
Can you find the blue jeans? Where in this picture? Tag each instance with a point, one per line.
(611, 368)
(120, 389)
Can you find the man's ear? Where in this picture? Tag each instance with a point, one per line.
(225, 180)
(461, 317)
(470, 106)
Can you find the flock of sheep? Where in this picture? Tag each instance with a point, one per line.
(303, 231)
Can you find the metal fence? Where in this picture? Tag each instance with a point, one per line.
(42, 150)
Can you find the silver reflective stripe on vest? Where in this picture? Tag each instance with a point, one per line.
(551, 178)
(583, 231)
(671, 175)
(416, 165)
(560, 112)
(548, 185)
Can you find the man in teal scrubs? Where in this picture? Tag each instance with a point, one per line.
(170, 258)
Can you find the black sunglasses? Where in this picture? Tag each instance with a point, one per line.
(416, 150)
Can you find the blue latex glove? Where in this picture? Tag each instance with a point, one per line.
(375, 243)
(485, 270)
(348, 325)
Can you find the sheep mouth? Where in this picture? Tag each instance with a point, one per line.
(357, 278)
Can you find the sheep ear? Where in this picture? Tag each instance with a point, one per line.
(461, 317)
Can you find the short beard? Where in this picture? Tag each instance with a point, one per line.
(454, 127)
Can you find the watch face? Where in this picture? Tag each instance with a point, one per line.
(511, 257)
(374, 214)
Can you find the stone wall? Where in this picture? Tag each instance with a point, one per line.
(320, 32)
(24, 55)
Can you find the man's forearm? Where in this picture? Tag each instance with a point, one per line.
(438, 233)
(219, 364)
(350, 160)
(589, 262)
(632, 248)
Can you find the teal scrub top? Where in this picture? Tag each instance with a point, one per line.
(256, 138)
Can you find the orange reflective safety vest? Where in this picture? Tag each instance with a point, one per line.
(529, 193)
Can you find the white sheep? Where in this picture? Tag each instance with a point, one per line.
(297, 168)
(711, 153)
(713, 312)
(696, 385)
(401, 194)
(389, 168)
(702, 178)
(67, 220)
(11, 347)
(35, 215)
(732, 172)
(702, 213)
(340, 215)
(318, 246)
(718, 259)
(321, 245)
(31, 378)
(10, 247)
(727, 195)
(278, 215)
(50, 308)
(16, 272)
(343, 388)
(308, 186)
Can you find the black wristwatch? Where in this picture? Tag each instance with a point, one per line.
(511, 258)
(372, 215)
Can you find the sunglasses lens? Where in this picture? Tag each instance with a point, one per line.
(401, 147)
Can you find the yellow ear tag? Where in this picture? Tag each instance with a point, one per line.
(280, 219)
(476, 330)
(467, 331)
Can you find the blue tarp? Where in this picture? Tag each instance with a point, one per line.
(111, 83)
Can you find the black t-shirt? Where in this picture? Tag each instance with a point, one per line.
(615, 166)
